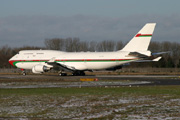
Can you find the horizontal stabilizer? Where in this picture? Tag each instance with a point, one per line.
(146, 58)
(150, 60)
(157, 59)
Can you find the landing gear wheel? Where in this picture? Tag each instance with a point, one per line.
(82, 74)
(78, 73)
(62, 74)
(24, 73)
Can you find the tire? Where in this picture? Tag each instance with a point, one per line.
(63, 74)
(23, 73)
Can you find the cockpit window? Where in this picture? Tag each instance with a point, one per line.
(28, 53)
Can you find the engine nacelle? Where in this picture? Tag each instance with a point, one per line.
(40, 68)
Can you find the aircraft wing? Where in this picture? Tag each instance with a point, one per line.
(59, 66)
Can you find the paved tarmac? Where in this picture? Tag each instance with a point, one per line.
(51, 81)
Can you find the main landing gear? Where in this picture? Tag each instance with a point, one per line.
(61, 73)
(78, 73)
(75, 73)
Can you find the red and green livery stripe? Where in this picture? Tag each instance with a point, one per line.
(14, 62)
(143, 35)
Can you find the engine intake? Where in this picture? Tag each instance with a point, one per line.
(40, 68)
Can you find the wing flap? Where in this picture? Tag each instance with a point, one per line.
(59, 66)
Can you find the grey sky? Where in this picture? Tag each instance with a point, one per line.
(29, 22)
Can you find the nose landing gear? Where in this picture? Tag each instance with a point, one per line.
(23, 72)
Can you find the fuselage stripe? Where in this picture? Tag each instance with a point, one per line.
(14, 62)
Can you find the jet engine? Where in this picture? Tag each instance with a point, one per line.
(40, 68)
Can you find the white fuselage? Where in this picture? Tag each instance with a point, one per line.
(27, 59)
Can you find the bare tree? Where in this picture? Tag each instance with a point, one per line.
(5, 54)
(119, 45)
(155, 46)
(72, 44)
(54, 44)
(93, 46)
(83, 46)
(106, 45)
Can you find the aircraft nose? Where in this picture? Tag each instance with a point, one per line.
(11, 61)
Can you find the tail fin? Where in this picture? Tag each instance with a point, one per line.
(141, 40)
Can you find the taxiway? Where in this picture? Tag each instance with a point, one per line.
(51, 81)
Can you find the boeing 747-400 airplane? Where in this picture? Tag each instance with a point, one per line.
(40, 61)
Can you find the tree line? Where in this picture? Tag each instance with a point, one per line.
(170, 60)
(75, 45)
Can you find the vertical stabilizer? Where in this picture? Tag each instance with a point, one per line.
(141, 40)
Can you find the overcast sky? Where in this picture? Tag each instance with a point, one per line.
(30, 22)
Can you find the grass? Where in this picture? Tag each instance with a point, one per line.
(143, 90)
(144, 102)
